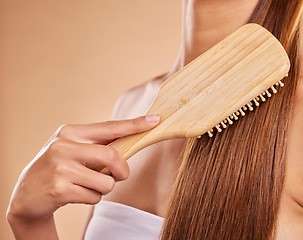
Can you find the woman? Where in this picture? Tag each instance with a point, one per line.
(260, 211)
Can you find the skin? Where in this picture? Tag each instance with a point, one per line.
(152, 170)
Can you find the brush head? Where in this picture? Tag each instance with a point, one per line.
(216, 88)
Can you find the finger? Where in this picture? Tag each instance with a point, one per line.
(79, 194)
(106, 132)
(117, 129)
(93, 180)
(105, 156)
(94, 154)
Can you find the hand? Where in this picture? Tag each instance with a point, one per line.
(58, 176)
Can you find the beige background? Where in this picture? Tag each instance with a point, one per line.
(67, 62)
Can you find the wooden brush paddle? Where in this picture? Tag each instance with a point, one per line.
(214, 89)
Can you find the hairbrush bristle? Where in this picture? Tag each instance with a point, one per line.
(249, 106)
(210, 133)
(242, 112)
(223, 125)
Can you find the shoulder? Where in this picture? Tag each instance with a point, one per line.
(137, 100)
(126, 101)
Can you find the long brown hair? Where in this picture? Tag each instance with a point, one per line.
(229, 186)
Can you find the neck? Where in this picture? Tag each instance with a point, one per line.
(206, 22)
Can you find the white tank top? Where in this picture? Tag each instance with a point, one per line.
(115, 221)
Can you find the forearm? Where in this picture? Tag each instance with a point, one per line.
(24, 229)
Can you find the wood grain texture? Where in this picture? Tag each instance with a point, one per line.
(212, 88)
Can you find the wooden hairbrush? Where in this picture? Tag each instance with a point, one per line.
(214, 89)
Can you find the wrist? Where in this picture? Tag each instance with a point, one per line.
(25, 229)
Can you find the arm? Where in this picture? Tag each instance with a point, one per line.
(23, 228)
(58, 176)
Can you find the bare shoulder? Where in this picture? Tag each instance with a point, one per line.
(136, 101)
(127, 101)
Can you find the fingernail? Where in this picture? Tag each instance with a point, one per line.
(152, 118)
